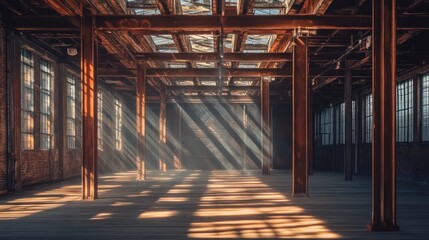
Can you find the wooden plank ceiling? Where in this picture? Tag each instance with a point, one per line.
(226, 61)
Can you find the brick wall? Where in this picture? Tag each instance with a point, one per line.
(3, 109)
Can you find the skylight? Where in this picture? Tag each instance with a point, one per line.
(266, 11)
(164, 43)
(196, 7)
(201, 43)
(185, 82)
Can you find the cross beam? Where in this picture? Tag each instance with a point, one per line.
(158, 24)
(200, 72)
(228, 57)
(212, 88)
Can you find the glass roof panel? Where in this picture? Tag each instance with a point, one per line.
(191, 93)
(196, 7)
(201, 43)
(243, 82)
(185, 82)
(248, 65)
(255, 50)
(164, 43)
(266, 11)
(208, 83)
(239, 93)
(205, 64)
(147, 11)
(176, 65)
(230, 2)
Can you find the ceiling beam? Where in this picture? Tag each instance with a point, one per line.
(201, 23)
(214, 72)
(212, 88)
(244, 57)
(199, 72)
(181, 23)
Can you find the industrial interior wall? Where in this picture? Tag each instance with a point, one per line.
(20, 168)
(3, 110)
(115, 155)
(282, 135)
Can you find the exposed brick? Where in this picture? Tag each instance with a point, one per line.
(3, 110)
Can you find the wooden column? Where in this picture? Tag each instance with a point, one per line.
(89, 118)
(348, 141)
(14, 178)
(162, 129)
(141, 122)
(265, 126)
(384, 99)
(301, 118)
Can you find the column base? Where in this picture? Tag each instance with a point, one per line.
(382, 227)
(300, 195)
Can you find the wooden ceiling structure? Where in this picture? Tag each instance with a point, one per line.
(182, 43)
(235, 50)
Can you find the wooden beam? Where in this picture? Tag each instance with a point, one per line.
(45, 23)
(141, 122)
(230, 24)
(211, 88)
(265, 127)
(214, 72)
(206, 57)
(89, 118)
(301, 115)
(163, 129)
(384, 116)
(252, 24)
(348, 141)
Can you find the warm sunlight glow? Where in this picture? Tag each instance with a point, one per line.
(157, 214)
(101, 216)
(251, 209)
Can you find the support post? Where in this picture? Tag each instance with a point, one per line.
(266, 128)
(162, 129)
(89, 122)
(384, 99)
(301, 118)
(141, 122)
(348, 142)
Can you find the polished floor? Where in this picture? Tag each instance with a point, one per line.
(204, 204)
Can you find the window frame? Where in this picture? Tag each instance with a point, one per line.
(100, 145)
(118, 124)
(27, 104)
(424, 108)
(405, 111)
(46, 112)
(71, 110)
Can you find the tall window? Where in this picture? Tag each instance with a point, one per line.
(71, 111)
(118, 124)
(326, 126)
(100, 120)
(353, 121)
(404, 111)
(46, 82)
(27, 100)
(367, 128)
(341, 119)
(425, 108)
